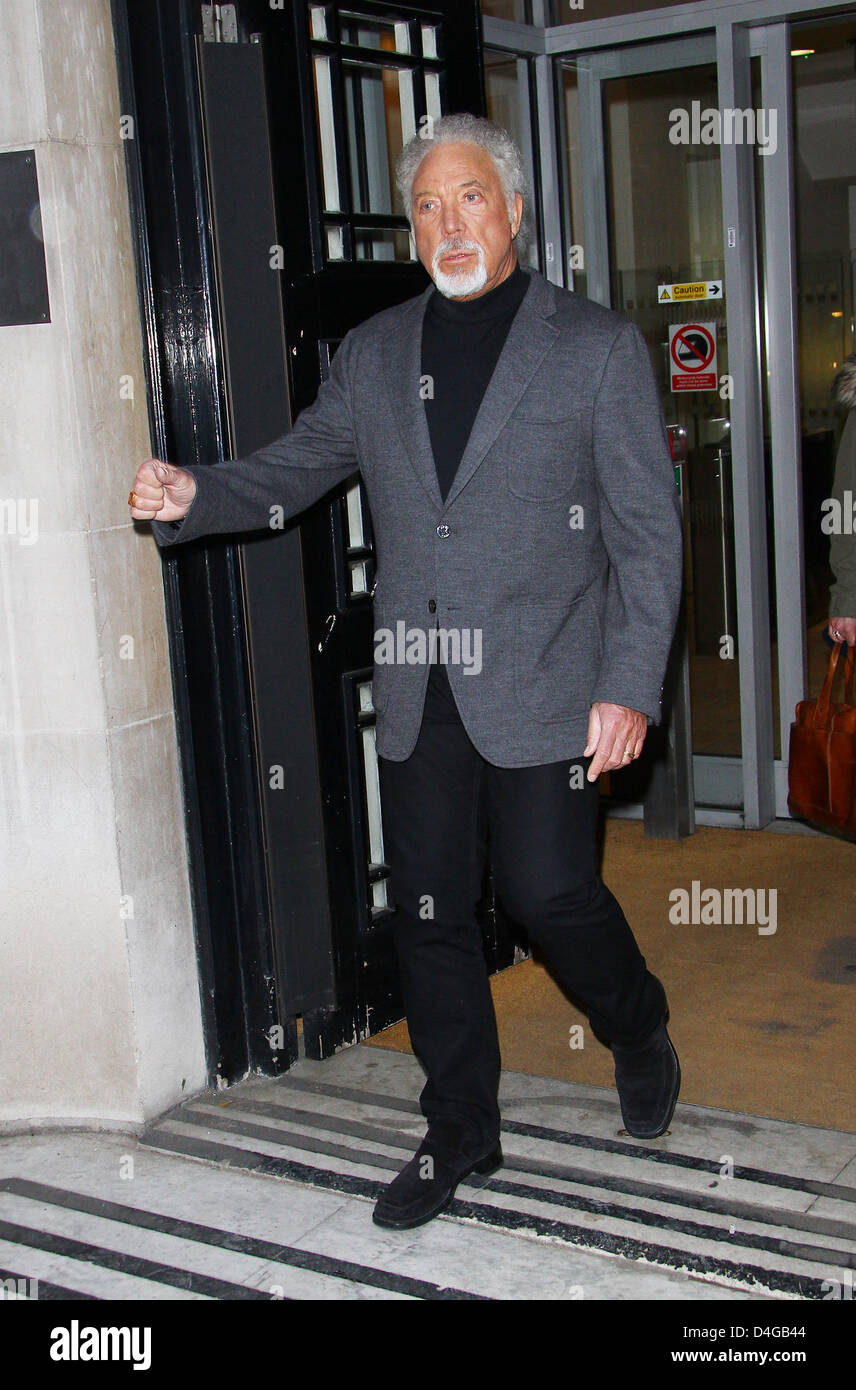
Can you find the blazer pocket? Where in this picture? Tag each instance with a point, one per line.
(542, 457)
(557, 655)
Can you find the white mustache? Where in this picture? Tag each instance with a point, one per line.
(456, 243)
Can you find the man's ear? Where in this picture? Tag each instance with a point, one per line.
(518, 215)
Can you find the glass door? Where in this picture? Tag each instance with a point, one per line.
(649, 168)
(667, 273)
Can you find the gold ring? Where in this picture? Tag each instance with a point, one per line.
(627, 753)
(132, 499)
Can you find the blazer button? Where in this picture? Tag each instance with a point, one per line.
(443, 530)
(432, 606)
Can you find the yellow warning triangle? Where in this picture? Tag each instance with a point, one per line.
(665, 295)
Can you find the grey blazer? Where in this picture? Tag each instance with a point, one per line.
(553, 569)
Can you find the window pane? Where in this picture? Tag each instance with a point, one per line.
(375, 137)
(381, 244)
(374, 33)
(507, 105)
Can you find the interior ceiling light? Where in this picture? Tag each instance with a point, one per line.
(801, 52)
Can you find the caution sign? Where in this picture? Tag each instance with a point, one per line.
(701, 289)
(692, 356)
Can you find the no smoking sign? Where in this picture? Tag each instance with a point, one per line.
(692, 356)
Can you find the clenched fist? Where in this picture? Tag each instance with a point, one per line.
(161, 491)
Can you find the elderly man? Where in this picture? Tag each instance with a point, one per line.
(511, 442)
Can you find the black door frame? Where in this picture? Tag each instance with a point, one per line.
(246, 1028)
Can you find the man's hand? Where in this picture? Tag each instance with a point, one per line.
(612, 731)
(161, 492)
(845, 628)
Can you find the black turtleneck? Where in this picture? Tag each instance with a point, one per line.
(461, 343)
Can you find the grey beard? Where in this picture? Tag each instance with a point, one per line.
(457, 285)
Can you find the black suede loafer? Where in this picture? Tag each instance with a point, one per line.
(648, 1078)
(426, 1185)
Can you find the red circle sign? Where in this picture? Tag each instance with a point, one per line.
(693, 348)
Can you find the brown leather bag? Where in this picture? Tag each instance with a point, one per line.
(822, 759)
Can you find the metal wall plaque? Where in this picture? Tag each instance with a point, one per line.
(23, 273)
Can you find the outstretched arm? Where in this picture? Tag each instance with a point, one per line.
(266, 487)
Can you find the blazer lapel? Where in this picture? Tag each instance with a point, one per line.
(529, 340)
(403, 361)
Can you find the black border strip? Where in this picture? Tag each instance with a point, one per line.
(584, 1141)
(124, 1263)
(787, 1217)
(308, 1260)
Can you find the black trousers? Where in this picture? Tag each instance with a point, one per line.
(441, 808)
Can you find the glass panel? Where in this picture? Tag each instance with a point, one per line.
(507, 91)
(318, 22)
(373, 33)
(429, 41)
(824, 93)
(335, 244)
(357, 569)
(375, 137)
(433, 104)
(324, 116)
(407, 105)
(382, 244)
(503, 97)
(666, 230)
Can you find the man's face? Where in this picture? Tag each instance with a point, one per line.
(460, 221)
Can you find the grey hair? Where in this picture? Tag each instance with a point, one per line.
(472, 130)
